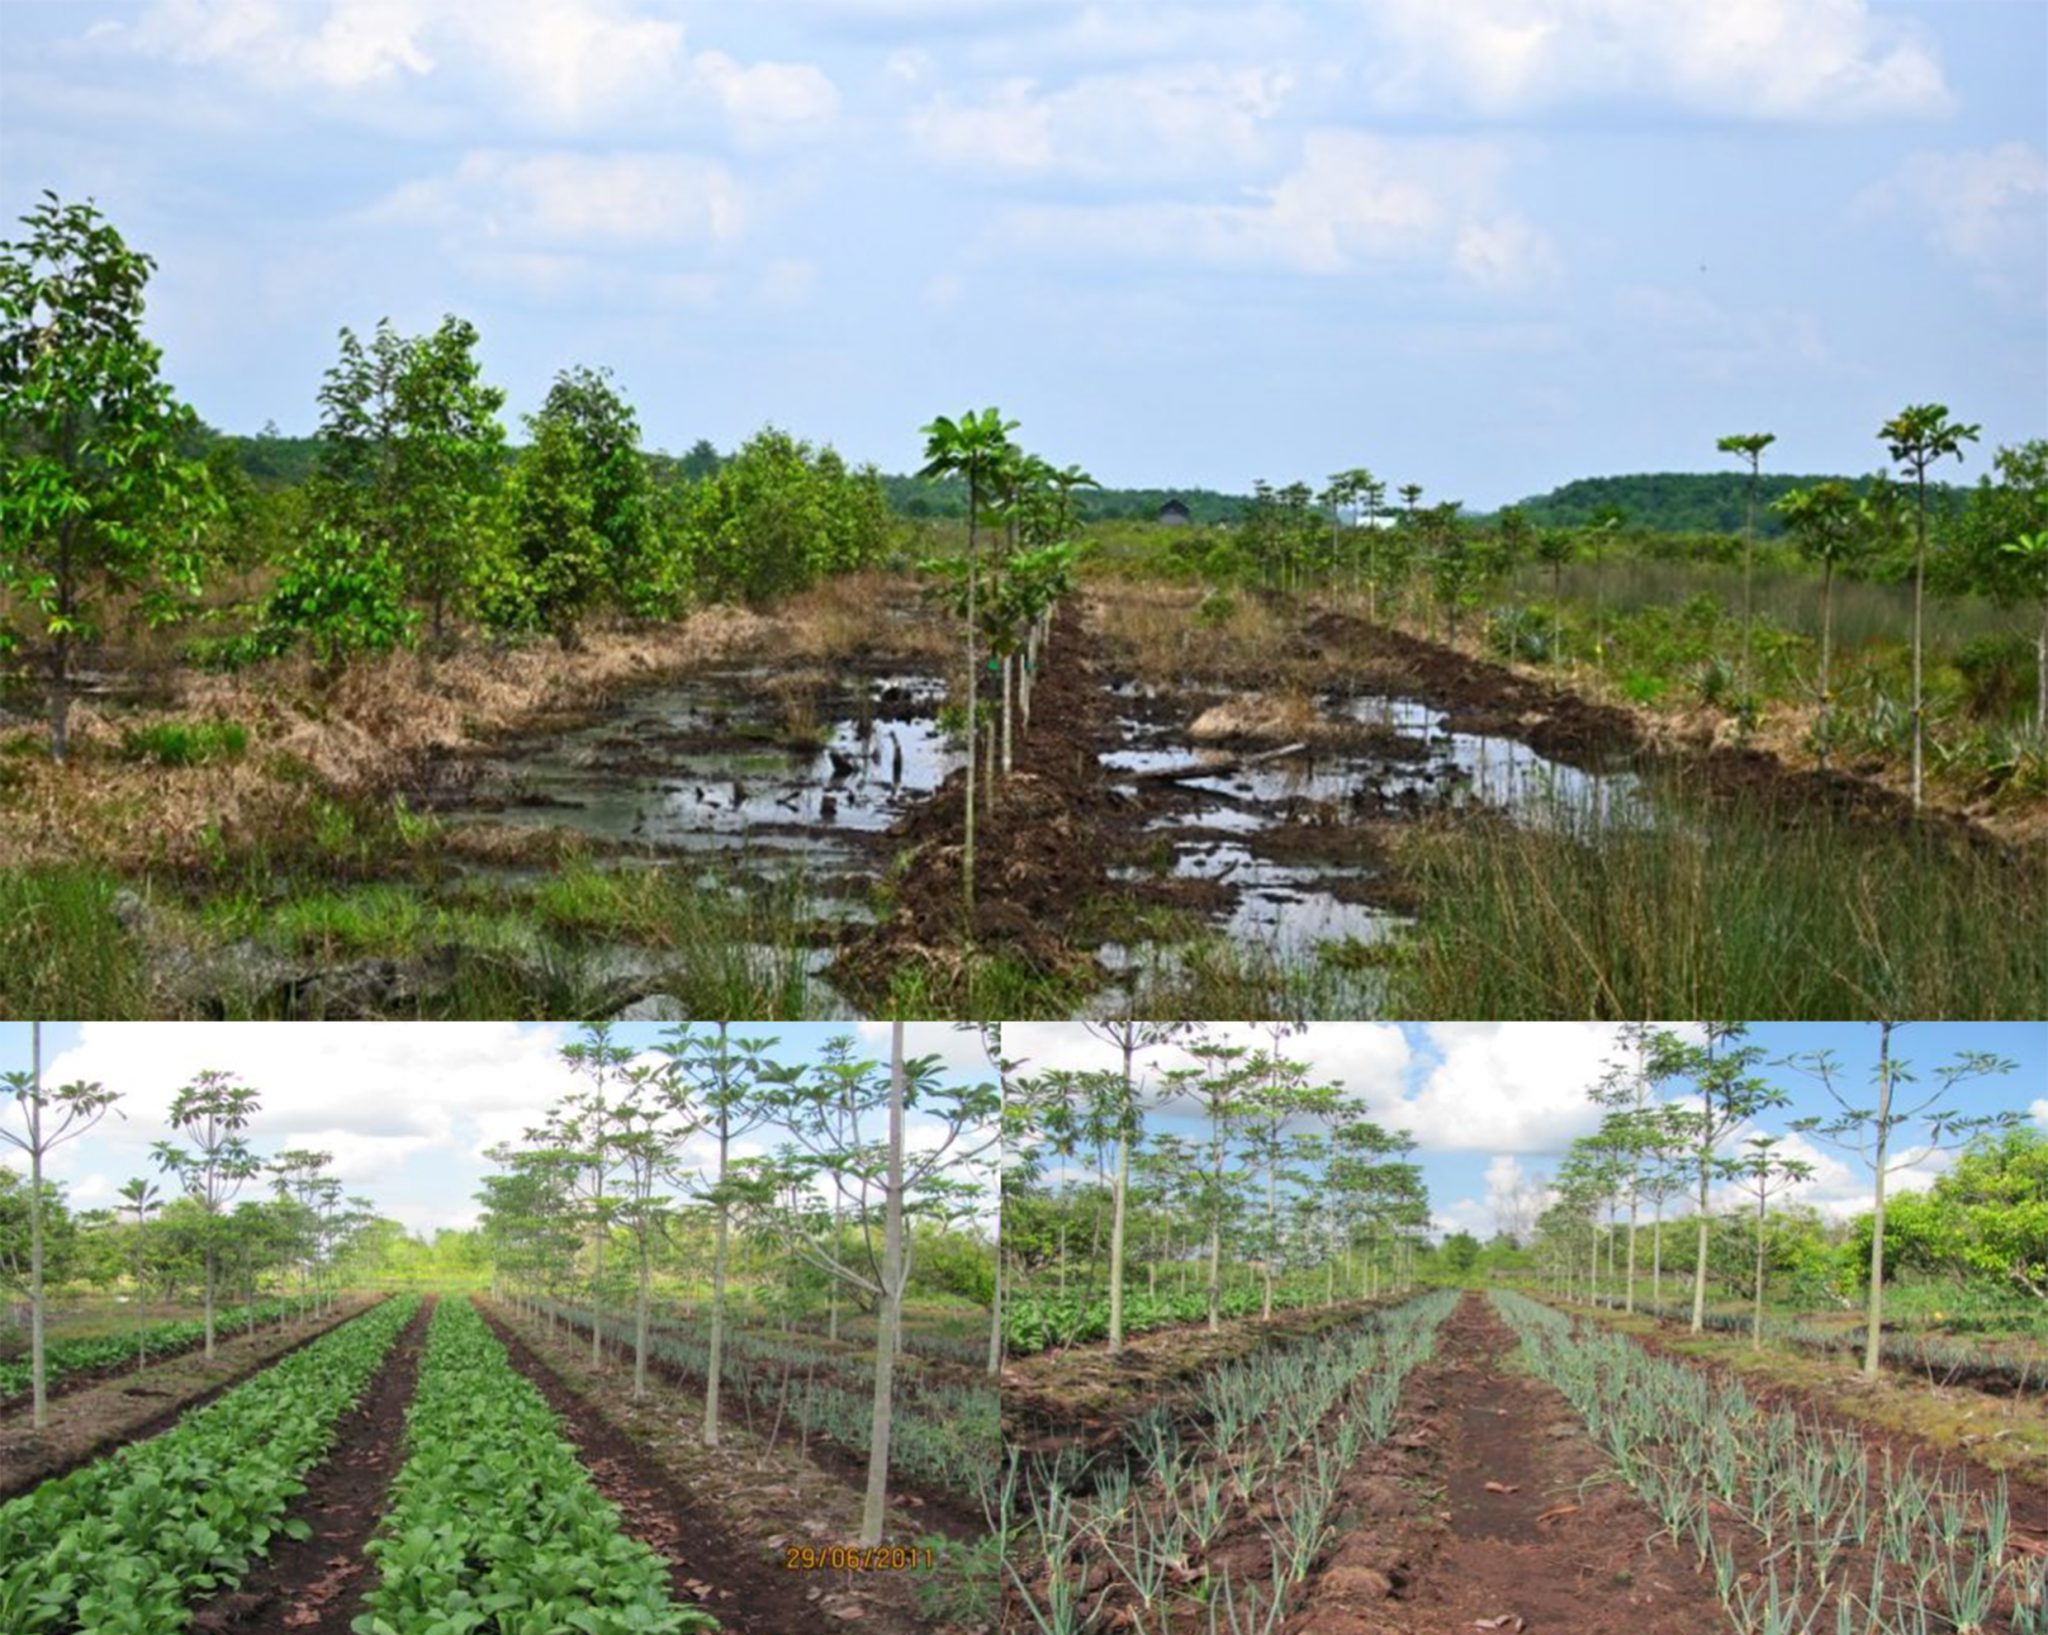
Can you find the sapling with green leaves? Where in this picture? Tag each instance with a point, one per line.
(140, 1198)
(725, 1074)
(1124, 1094)
(1280, 1095)
(971, 448)
(49, 1118)
(1827, 523)
(582, 1124)
(1748, 446)
(654, 1116)
(1918, 436)
(1730, 1095)
(1763, 1170)
(828, 1110)
(211, 1112)
(1865, 1128)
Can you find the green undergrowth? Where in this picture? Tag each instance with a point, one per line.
(1728, 909)
(63, 952)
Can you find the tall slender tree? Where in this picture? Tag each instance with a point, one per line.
(1748, 446)
(49, 1119)
(1763, 1172)
(140, 1198)
(1866, 1128)
(211, 1112)
(1918, 436)
(1730, 1094)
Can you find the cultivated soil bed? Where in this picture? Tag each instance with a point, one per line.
(1490, 1502)
(127, 1408)
(725, 1516)
(318, 1584)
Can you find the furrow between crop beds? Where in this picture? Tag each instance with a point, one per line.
(1799, 1530)
(1216, 1530)
(319, 1580)
(126, 1543)
(494, 1524)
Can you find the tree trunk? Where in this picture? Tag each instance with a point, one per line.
(640, 1309)
(39, 1412)
(1009, 693)
(209, 1292)
(1699, 1274)
(1629, 1300)
(711, 1370)
(973, 726)
(1756, 1322)
(1116, 1224)
(1874, 1315)
(888, 1314)
(2041, 675)
(1919, 600)
(995, 1319)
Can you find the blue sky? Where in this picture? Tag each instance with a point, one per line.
(1485, 247)
(1492, 1105)
(408, 1107)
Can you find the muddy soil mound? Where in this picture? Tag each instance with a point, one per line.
(1041, 849)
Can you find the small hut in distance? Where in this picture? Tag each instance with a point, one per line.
(1174, 514)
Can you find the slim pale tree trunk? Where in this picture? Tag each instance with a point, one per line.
(973, 725)
(1699, 1273)
(1657, 1254)
(1756, 1320)
(210, 1260)
(640, 1313)
(2041, 675)
(995, 1319)
(1116, 1221)
(39, 1411)
(1629, 1299)
(1272, 1237)
(890, 1310)
(1009, 686)
(1919, 697)
(1874, 1317)
(832, 1292)
(711, 1371)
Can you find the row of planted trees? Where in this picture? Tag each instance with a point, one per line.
(419, 519)
(1684, 1118)
(647, 1146)
(302, 1232)
(1195, 1155)
(1433, 559)
(1005, 598)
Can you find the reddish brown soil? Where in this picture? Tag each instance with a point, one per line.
(129, 1407)
(317, 1584)
(1489, 1502)
(740, 1580)
(938, 1511)
(85, 1378)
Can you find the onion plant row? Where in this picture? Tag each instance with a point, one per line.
(64, 1357)
(1277, 1431)
(494, 1526)
(941, 1435)
(1908, 1553)
(122, 1546)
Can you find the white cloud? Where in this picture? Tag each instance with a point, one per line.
(1756, 59)
(1708, 341)
(1508, 1087)
(1196, 119)
(558, 64)
(496, 196)
(1353, 200)
(1506, 254)
(1985, 208)
(2040, 1112)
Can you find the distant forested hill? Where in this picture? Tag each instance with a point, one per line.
(1677, 502)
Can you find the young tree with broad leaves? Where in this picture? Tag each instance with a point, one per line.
(1730, 1095)
(1124, 1112)
(1918, 436)
(140, 1198)
(1866, 1128)
(724, 1075)
(972, 448)
(211, 1112)
(96, 500)
(1763, 1171)
(49, 1118)
(1748, 446)
(1827, 524)
(582, 1124)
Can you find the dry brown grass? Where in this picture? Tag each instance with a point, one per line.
(1279, 718)
(367, 733)
(1155, 625)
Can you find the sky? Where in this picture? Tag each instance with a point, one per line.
(1486, 247)
(406, 1108)
(1494, 1105)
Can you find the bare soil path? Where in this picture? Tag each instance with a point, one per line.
(129, 1407)
(716, 1560)
(1490, 1502)
(317, 1585)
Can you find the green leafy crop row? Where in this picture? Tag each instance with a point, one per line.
(1037, 1322)
(62, 1357)
(119, 1547)
(494, 1527)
